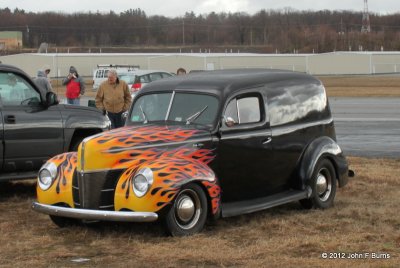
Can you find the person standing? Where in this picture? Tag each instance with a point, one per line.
(113, 98)
(43, 82)
(181, 71)
(75, 86)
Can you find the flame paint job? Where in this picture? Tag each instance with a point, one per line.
(61, 189)
(133, 148)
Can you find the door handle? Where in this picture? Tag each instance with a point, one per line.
(266, 141)
(10, 119)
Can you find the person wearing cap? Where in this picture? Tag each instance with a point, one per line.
(75, 86)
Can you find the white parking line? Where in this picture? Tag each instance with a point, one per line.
(354, 119)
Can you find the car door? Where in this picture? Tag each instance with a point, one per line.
(244, 151)
(32, 132)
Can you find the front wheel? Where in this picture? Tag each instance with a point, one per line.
(323, 185)
(63, 221)
(188, 214)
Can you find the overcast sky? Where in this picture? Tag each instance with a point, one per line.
(177, 8)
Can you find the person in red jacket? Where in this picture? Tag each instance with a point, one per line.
(75, 86)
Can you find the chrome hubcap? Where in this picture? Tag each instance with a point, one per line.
(185, 209)
(321, 184)
(324, 184)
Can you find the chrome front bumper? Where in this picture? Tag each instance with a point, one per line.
(97, 215)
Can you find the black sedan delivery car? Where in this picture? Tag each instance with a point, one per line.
(34, 127)
(200, 146)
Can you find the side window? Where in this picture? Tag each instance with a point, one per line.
(231, 111)
(164, 75)
(155, 76)
(99, 73)
(144, 79)
(14, 90)
(248, 110)
(244, 110)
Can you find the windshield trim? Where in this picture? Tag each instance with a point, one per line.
(170, 105)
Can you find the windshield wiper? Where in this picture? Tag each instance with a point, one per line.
(144, 115)
(193, 117)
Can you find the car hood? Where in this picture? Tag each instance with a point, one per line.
(132, 145)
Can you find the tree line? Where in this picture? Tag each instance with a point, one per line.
(267, 31)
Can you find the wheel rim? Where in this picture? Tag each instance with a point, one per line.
(187, 209)
(324, 184)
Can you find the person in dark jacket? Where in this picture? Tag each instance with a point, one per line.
(75, 86)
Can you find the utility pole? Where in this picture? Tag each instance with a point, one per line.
(183, 32)
(366, 27)
(27, 35)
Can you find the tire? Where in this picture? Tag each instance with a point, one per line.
(188, 213)
(323, 186)
(63, 221)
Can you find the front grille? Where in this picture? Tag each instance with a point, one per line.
(95, 190)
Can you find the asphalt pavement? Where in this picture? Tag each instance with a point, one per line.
(366, 127)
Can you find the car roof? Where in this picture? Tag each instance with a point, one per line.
(141, 72)
(226, 82)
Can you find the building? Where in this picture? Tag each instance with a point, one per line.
(10, 40)
(336, 63)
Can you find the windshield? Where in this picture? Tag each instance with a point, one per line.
(185, 108)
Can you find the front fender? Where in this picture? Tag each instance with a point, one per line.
(60, 192)
(169, 175)
(320, 148)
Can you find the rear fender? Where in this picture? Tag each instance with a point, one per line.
(323, 147)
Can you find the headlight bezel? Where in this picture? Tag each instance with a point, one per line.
(147, 178)
(45, 181)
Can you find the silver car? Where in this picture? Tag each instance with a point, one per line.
(136, 80)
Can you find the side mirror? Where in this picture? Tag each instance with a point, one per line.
(51, 99)
(229, 121)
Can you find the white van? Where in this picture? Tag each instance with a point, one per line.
(100, 74)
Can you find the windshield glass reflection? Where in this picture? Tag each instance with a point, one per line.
(185, 108)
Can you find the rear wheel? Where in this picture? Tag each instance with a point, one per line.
(188, 214)
(323, 185)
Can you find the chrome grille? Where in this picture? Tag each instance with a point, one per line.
(95, 190)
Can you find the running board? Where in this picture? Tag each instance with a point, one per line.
(249, 206)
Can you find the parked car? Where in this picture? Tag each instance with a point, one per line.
(34, 127)
(207, 145)
(101, 73)
(138, 79)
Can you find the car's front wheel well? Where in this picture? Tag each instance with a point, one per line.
(79, 135)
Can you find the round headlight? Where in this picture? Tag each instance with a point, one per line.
(47, 174)
(142, 182)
